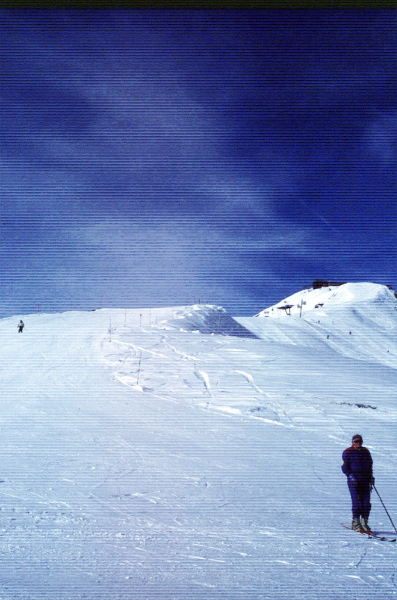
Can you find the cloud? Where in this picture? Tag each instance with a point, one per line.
(380, 138)
(174, 258)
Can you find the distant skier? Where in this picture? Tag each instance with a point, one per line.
(21, 325)
(357, 466)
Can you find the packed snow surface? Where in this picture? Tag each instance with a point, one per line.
(180, 454)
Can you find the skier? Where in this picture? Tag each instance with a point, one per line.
(21, 325)
(357, 466)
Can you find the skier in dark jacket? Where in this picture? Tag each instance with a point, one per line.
(21, 325)
(357, 466)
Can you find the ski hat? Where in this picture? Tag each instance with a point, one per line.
(357, 437)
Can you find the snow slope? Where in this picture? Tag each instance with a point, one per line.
(143, 459)
(332, 296)
(356, 319)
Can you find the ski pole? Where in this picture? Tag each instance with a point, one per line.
(385, 509)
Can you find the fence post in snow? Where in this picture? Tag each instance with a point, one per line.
(139, 368)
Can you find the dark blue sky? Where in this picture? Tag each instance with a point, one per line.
(154, 158)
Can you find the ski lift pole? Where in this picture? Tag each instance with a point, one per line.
(385, 508)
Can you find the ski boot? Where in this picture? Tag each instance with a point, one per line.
(364, 525)
(356, 525)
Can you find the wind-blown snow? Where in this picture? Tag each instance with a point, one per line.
(150, 454)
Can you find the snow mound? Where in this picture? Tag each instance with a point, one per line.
(208, 319)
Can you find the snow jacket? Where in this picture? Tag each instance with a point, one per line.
(357, 462)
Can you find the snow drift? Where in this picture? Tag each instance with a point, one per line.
(201, 318)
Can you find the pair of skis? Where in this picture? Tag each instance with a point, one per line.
(372, 535)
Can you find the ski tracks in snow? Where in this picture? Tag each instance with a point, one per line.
(170, 368)
(149, 368)
(250, 380)
(182, 354)
(203, 376)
